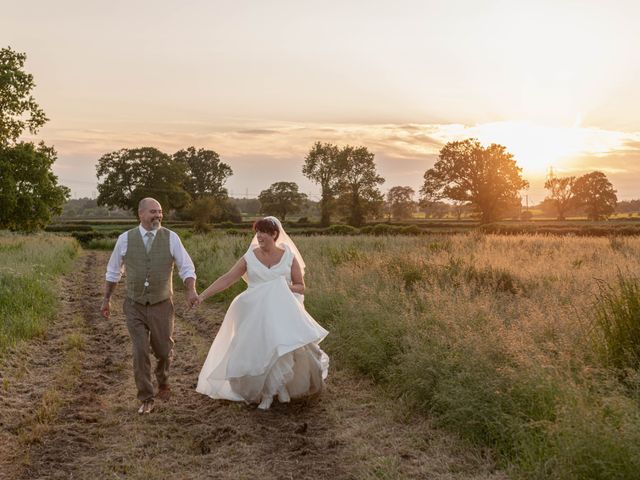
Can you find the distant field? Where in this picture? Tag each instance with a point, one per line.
(100, 233)
(29, 268)
(527, 345)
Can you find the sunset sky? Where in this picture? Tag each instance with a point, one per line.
(556, 82)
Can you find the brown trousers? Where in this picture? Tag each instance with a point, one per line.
(150, 327)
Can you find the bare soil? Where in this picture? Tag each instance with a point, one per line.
(68, 411)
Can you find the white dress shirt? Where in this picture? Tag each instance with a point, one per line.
(115, 267)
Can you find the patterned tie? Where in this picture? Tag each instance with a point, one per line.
(150, 236)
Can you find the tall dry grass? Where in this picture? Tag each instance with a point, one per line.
(499, 339)
(29, 268)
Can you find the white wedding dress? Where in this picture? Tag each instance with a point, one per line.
(267, 344)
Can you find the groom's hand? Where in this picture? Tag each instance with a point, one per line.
(105, 309)
(192, 298)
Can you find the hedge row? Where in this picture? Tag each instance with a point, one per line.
(85, 237)
(582, 231)
(378, 230)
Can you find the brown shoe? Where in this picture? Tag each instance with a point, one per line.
(164, 393)
(146, 407)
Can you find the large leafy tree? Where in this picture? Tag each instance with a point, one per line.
(486, 178)
(205, 173)
(29, 191)
(128, 175)
(594, 192)
(281, 199)
(205, 210)
(358, 182)
(561, 194)
(18, 109)
(400, 202)
(321, 166)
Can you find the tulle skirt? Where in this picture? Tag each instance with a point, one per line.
(266, 345)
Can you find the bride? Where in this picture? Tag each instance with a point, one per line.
(267, 344)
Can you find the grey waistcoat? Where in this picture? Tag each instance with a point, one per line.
(155, 267)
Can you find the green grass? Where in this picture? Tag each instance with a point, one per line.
(101, 244)
(214, 254)
(618, 322)
(29, 269)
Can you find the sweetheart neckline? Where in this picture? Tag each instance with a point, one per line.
(275, 264)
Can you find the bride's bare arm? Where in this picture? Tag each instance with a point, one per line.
(225, 281)
(297, 280)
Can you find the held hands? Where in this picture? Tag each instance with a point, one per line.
(192, 295)
(199, 300)
(193, 300)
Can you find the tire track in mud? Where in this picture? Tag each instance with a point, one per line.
(92, 430)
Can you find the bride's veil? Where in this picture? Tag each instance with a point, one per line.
(283, 239)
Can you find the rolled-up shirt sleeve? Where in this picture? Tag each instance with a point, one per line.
(115, 267)
(186, 269)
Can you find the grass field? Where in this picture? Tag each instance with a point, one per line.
(526, 345)
(529, 345)
(29, 267)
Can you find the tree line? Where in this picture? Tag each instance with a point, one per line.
(192, 182)
(485, 180)
(467, 175)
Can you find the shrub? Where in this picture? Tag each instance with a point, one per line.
(201, 227)
(384, 229)
(85, 238)
(341, 230)
(411, 230)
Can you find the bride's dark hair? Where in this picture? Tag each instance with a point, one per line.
(266, 225)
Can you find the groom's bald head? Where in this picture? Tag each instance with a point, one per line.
(150, 213)
(148, 202)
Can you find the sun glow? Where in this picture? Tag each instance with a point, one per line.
(535, 148)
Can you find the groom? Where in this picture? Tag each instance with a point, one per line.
(148, 253)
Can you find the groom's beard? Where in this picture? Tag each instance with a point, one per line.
(155, 224)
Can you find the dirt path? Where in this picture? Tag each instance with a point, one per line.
(68, 411)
